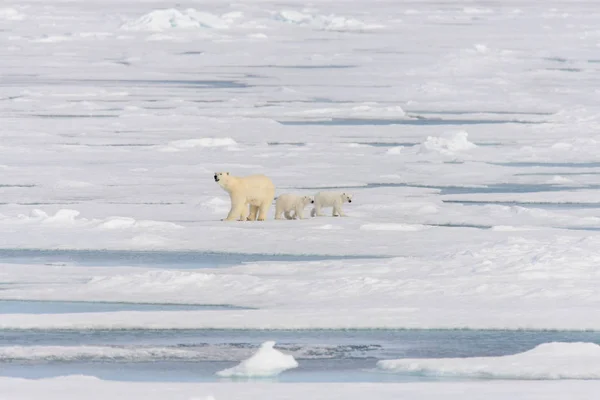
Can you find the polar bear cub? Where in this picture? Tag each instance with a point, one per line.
(255, 192)
(330, 199)
(288, 203)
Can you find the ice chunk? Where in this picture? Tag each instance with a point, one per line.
(546, 361)
(448, 144)
(10, 14)
(324, 22)
(161, 20)
(264, 363)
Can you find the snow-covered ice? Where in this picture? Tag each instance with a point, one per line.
(266, 362)
(467, 133)
(546, 361)
(77, 387)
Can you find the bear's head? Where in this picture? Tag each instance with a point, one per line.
(222, 178)
(346, 197)
(306, 200)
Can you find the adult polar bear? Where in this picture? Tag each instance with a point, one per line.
(256, 191)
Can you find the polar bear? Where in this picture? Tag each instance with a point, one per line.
(330, 199)
(255, 192)
(286, 203)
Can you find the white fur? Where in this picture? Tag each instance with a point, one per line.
(255, 192)
(288, 203)
(330, 199)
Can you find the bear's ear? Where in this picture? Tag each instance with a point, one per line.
(226, 173)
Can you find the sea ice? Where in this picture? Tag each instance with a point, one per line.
(266, 362)
(546, 361)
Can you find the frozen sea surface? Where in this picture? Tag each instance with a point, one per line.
(467, 134)
(156, 259)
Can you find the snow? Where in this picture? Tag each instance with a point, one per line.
(179, 145)
(68, 218)
(467, 133)
(393, 227)
(10, 14)
(324, 22)
(471, 287)
(95, 353)
(77, 387)
(546, 361)
(266, 362)
(162, 20)
(453, 143)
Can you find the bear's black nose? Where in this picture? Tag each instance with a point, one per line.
(312, 202)
(349, 201)
(216, 178)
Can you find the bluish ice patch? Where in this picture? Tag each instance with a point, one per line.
(163, 259)
(418, 121)
(66, 307)
(323, 66)
(389, 144)
(191, 83)
(448, 190)
(521, 164)
(478, 112)
(558, 173)
(354, 343)
(556, 59)
(309, 371)
(457, 225)
(297, 144)
(547, 205)
(566, 69)
(583, 228)
(40, 203)
(111, 144)
(512, 188)
(153, 203)
(311, 101)
(196, 355)
(70, 116)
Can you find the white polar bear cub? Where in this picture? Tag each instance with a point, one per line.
(254, 191)
(330, 199)
(286, 203)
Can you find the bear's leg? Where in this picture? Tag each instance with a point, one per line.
(253, 213)
(316, 212)
(236, 213)
(263, 209)
(238, 210)
(299, 211)
(278, 212)
(337, 210)
(288, 215)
